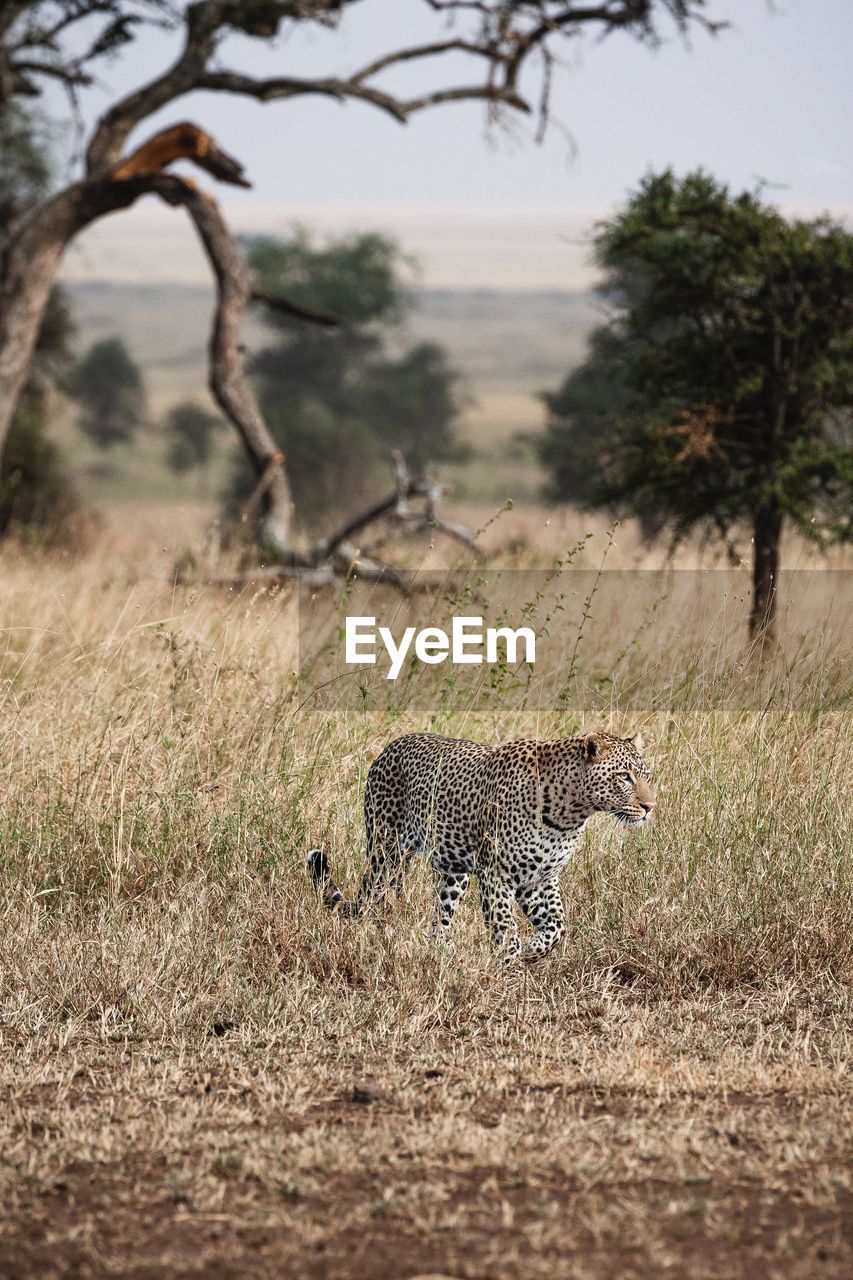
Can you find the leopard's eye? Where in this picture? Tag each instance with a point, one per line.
(629, 777)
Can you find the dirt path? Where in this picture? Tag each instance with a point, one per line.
(142, 1164)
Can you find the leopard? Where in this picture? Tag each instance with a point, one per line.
(511, 814)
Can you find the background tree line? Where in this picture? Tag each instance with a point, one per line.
(717, 396)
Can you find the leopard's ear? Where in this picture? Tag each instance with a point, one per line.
(638, 744)
(594, 747)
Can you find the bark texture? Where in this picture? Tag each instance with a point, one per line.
(29, 262)
(767, 536)
(228, 382)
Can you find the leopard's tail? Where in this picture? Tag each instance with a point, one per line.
(321, 876)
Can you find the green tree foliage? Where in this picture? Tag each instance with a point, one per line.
(338, 401)
(190, 431)
(34, 486)
(109, 386)
(719, 394)
(24, 163)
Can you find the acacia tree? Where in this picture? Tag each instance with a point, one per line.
(720, 393)
(337, 401)
(190, 430)
(109, 386)
(65, 40)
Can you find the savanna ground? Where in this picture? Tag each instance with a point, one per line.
(205, 1073)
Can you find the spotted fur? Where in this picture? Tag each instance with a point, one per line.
(512, 815)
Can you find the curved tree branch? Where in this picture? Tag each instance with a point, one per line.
(203, 22)
(494, 94)
(182, 142)
(228, 381)
(233, 391)
(237, 399)
(508, 33)
(32, 260)
(424, 51)
(295, 309)
(280, 88)
(283, 87)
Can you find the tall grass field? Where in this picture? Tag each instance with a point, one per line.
(206, 1073)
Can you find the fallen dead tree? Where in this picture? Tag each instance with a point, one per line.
(333, 560)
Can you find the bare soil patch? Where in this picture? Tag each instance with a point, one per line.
(119, 1173)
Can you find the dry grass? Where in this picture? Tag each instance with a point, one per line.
(206, 1074)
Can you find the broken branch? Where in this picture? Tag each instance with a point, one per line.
(182, 142)
(296, 309)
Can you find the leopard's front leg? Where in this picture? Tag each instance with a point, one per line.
(497, 899)
(542, 903)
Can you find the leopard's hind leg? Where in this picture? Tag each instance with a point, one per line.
(388, 849)
(450, 884)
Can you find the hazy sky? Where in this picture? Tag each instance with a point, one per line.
(769, 98)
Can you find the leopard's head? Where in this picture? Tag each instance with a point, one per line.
(617, 778)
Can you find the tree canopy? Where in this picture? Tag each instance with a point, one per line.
(67, 41)
(109, 387)
(190, 431)
(719, 394)
(338, 401)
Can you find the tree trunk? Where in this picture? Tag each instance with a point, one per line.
(29, 262)
(767, 532)
(27, 274)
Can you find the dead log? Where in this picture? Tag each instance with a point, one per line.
(334, 560)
